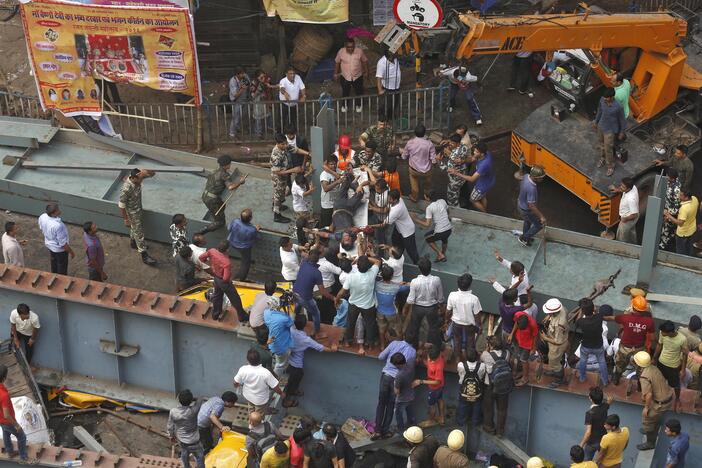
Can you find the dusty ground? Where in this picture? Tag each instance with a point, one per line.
(123, 265)
(115, 435)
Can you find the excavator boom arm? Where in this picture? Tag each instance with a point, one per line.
(655, 32)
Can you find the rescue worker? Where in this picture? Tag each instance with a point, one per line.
(217, 181)
(555, 334)
(456, 159)
(344, 153)
(422, 449)
(637, 324)
(279, 175)
(451, 455)
(657, 396)
(130, 207)
(370, 158)
(382, 134)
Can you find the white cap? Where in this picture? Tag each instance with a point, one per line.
(552, 306)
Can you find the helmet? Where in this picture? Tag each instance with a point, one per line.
(552, 306)
(642, 359)
(344, 142)
(535, 462)
(414, 435)
(639, 303)
(455, 439)
(537, 172)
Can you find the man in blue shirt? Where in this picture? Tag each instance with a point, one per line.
(386, 395)
(610, 124)
(209, 415)
(534, 220)
(56, 238)
(308, 277)
(386, 294)
(483, 178)
(242, 236)
(679, 444)
(300, 343)
(279, 323)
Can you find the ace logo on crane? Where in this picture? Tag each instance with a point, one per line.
(513, 43)
(418, 14)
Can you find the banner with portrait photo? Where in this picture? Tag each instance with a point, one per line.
(71, 45)
(309, 11)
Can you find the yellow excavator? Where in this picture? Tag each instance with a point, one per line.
(647, 48)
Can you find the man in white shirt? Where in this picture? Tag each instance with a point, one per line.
(464, 307)
(289, 259)
(198, 246)
(56, 238)
(24, 329)
(461, 79)
(388, 76)
(397, 261)
(11, 247)
(292, 91)
(628, 211)
(520, 279)
(403, 232)
(330, 180)
(425, 297)
(256, 382)
(263, 300)
(468, 412)
(437, 214)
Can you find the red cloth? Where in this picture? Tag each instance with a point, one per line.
(525, 338)
(220, 263)
(435, 371)
(635, 327)
(5, 402)
(111, 56)
(297, 454)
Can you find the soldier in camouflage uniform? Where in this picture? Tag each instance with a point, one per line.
(382, 134)
(131, 208)
(217, 181)
(279, 173)
(672, 206)
(456, 159)
(370, 158)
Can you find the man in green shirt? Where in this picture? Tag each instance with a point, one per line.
(622, 90)
(671, 357)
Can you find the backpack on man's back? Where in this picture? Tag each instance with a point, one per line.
(472, 384)
(501, 376)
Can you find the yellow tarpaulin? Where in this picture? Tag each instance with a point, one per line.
(229, 453)
(309, 11)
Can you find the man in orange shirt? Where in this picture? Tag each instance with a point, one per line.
(350, 68)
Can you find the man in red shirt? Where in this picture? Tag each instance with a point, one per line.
(222, 275)
(8, 423)
(525, 333)
(637, 324)
(435, 381)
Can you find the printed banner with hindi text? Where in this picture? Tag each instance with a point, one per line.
(309, 11)
(70, 45)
